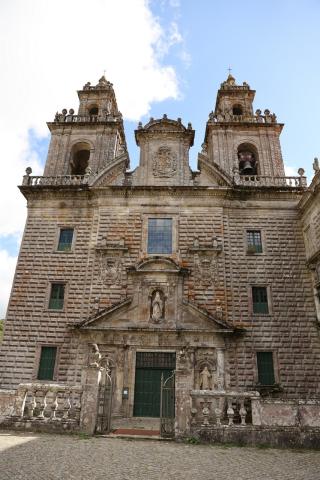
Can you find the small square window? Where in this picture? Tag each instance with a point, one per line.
(160, 235)
(65, 240)
(47, 363)
(260, 300)
(265, 368)
(254, 242)
(56, 296)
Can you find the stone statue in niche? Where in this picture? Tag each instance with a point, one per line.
(95, 356)
(164, 162)
(157, 306)
(205, 379)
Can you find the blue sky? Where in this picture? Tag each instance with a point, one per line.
(163, 56)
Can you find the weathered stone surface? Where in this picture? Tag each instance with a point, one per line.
(204, 284)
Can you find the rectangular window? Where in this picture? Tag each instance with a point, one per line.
(47, 363)
(56, 296)
(160, 235)
(65, 239)
(254, 243)
(265, 368)
(260, 300)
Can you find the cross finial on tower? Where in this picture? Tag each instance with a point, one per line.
(229, 70)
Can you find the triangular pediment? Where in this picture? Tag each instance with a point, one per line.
(126, 315)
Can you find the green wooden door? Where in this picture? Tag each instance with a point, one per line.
(149, 368)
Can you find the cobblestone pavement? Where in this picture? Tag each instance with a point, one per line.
(53, 457)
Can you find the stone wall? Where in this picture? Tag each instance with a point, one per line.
(119, 214)
(6, 402)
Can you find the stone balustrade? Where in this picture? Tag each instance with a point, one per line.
(223, 408)
(59, 180)
(48, 402)
(270, 181)
(71, 118)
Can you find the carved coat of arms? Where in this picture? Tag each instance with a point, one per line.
(110, 270)
(164, 162)
(205, 269)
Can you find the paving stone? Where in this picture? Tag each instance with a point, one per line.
(53, 457)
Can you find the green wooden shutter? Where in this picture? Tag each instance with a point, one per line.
(265, 368)
(47, 363)
(260, 300)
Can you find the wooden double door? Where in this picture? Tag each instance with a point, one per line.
(150, 368)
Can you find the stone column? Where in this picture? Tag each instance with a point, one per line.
(256, 410)
(184, 384)
(220, 369)
(92, 377)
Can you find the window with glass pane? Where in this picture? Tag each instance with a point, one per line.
(265, 368)
(160, 235)
(260, 300)
(65, 239)
(56, 296)
(47, 363)
(254, 241)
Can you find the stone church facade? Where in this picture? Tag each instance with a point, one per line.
(162, 292)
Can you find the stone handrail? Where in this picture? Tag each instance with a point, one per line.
(71, 118)
(228, 117)
(48, 401)
(222, 407)
(58, 180)
(270, 181)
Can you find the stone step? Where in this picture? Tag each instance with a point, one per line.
(136, 423)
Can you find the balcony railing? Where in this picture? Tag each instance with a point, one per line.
(71, 118)
(270, 181)
(217, 408)
(59, 180)
(48, 402)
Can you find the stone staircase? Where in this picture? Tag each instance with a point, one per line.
(136, 427)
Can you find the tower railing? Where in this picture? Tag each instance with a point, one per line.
(270, 181)
(71, 118)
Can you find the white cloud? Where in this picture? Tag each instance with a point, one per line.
(290, 171)
(8, 264)
(52, 48)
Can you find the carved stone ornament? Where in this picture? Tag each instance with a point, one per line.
(164, 162)
(205, 379)
(157, 306)
(94, 356)
(205, 269)
(110, 269)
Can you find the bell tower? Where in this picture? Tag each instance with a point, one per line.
(240, 141)
(91, 139)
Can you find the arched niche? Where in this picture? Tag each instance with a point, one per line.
(80, 155)
(248, 160)
(93, 110)
(237, 109)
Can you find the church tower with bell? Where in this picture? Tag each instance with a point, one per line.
(239, 140)
(90, 140)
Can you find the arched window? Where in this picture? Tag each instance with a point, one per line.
(80, 158)
(237, 110)
(93, 110)
(248, 159)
